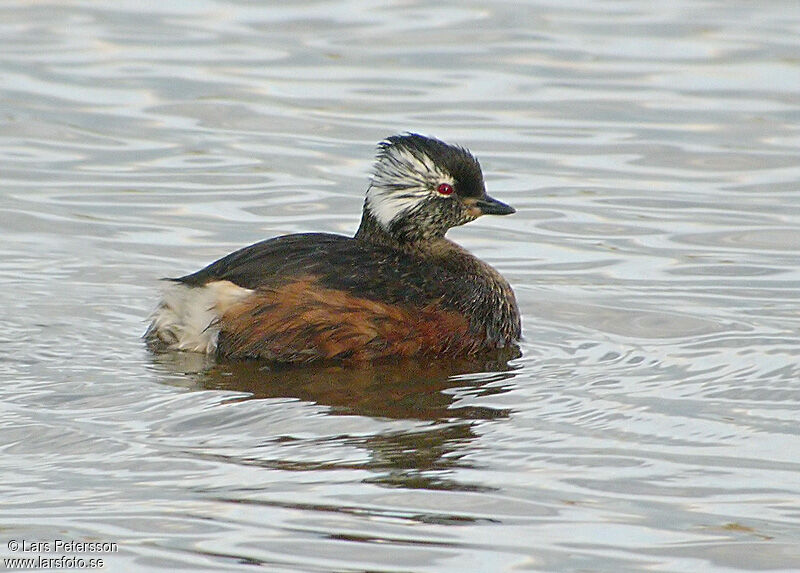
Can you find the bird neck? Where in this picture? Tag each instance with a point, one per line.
(371, 231)
(404, 235)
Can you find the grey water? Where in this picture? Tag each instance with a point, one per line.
(651, 150)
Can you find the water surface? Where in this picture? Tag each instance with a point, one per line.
(651, 152)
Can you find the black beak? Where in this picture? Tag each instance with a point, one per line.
(490, 206)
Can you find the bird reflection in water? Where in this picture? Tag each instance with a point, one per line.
(416, 390)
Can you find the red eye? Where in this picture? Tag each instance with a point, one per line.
(445, 189)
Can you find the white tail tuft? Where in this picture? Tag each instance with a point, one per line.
(188, 317)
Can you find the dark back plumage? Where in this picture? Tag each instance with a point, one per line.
(376, 272)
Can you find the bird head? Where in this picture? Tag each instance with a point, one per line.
(421, 187)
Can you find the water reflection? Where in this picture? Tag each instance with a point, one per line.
(432, 392)
(423, 460)
(404, 389)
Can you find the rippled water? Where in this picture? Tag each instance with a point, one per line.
(652, 153)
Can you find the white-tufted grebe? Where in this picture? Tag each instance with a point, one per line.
(397, 288)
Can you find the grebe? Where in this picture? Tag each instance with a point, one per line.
(398, 288)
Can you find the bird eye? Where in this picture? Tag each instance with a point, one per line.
(445, 189)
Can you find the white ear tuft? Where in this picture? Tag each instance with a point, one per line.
(402, 180)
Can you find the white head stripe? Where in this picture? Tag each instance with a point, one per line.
(402, 180)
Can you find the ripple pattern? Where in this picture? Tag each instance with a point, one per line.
(651, 152)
